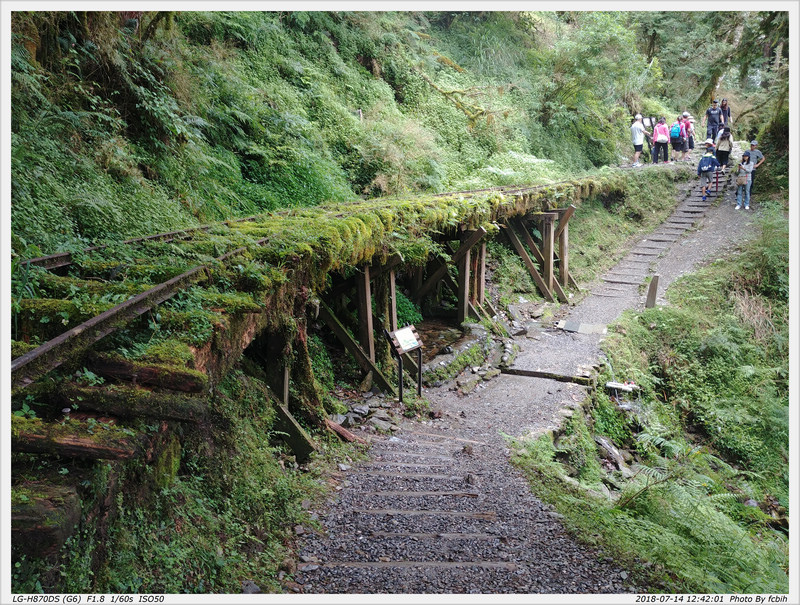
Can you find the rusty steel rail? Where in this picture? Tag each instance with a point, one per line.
(63, 259)
(27, 368)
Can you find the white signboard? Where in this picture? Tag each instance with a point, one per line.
(406, 339)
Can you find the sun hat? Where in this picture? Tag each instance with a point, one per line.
(754, 143)
(709, 142)
(638, 116)
(685, 114)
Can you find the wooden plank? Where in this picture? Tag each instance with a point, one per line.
(547, 251)
(392, 301)
(463, 303)
(129, 401)
(563, 254)
(296, 437)
(652, 290)
(473, 276)
(363, 360)
(512, 237)
(440, 272)
(563, 220)
(364, 297)
(551, 375)
(481, 274)
(74, 440)
(286, 375)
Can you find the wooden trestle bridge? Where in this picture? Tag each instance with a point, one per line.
(246, 280)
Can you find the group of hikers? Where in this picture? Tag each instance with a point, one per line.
(719, 144)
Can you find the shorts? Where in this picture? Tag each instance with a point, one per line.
(691, 142)
(677, 145)
(638, 147)
(705, 178)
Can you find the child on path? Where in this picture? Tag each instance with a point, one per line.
(661, 140)
(706, 167)
(724, 147)
(637, 135)
(744, 175)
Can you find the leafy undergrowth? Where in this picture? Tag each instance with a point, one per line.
(705, 509)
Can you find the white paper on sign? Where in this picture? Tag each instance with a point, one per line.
(406, 339)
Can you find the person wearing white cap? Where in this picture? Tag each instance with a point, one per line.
(637, 135)
(756, 158)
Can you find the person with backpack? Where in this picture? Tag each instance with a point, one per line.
(744, 174)
(661, 140)
(688, 144)
(712, 120)
(637, 134)
(706, 167)
(724, 147)
(677, 133)
(757, 158)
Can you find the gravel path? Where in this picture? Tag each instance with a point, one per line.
(438, 508)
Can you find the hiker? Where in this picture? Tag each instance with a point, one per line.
(744, 177)
(690, 131)
(726, 112)
(661, 140)
(637, 134)
(757, 158)
(712, 120)
(706, 167)
(724, 147)
(677, 133)
(689, 128)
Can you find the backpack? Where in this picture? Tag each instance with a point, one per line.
(675, 131)
(706, 163)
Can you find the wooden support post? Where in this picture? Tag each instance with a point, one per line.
(462, 306)
(481, 277)
(522, 230)
(473, 277)
(652, 290)
(440, 272)
(364, 294)
(286, 384)
(392, 302)
(563, 220)
(363, 360)
(563, 255)
(512, 237)
(547, 250)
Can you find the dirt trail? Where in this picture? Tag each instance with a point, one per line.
(438, 508)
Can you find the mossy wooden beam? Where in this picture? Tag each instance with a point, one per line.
(584, 380)
(74, 439)
(164, 376)
(537, 278)
(132, 402)
(363, 360)
(364, 299)
(462, 291)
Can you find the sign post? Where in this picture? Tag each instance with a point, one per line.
(404, 340)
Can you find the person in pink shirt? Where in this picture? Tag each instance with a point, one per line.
(661, 140)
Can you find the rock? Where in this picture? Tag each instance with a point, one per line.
(299, 530)
(491, 373)
(338, 418)
(751, 502)
(344, 467)
(250, 587)
(351, 420)
(623, 575)
(308, 567)
(381, 425)
(471, 479)
(361, 410)
(309, 559)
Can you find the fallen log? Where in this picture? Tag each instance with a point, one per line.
(343, 433)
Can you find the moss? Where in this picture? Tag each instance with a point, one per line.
(475, 354)
(100, 433)
(19, 348)
(167, 463)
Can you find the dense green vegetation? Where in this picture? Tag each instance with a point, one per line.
(126, 124)
(132, 123)
(709, 430)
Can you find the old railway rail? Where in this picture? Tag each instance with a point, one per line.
(142, 331)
